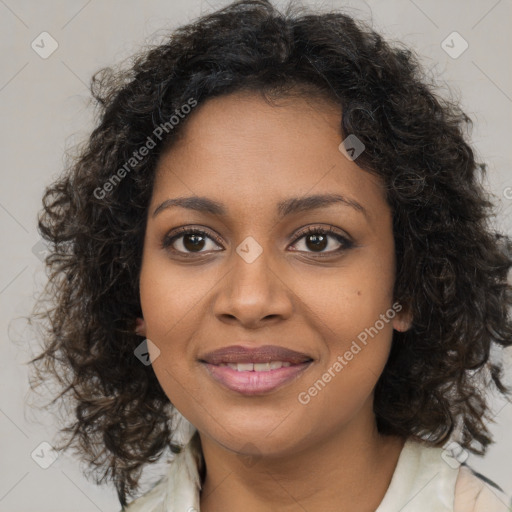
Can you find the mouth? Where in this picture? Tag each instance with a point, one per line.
(255, 371)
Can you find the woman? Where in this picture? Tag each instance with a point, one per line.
(277, 236)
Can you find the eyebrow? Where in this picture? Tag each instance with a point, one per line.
(284, 208)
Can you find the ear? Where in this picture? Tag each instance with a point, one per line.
(403, 319)
(140, 327)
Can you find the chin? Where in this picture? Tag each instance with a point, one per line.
(262, 439)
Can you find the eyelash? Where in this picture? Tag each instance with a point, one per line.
(346, 244)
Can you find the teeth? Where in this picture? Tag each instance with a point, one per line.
(261, 367)
(256, 367)
(245, 367)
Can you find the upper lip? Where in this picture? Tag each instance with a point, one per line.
(263, 354)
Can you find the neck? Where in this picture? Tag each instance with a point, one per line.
(350, 470)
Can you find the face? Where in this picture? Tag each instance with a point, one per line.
(268, 262)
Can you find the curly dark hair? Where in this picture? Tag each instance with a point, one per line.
(452, 265)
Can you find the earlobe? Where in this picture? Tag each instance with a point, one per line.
(402, 321)
(140, 327)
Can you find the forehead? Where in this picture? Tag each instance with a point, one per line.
(240, 149)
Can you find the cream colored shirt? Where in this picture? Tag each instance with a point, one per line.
(426, 479)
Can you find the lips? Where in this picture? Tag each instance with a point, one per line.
(237, 354)
(255, 370)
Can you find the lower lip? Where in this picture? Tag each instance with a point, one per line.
(254, 383)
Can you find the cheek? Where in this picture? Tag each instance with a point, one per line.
(351, 297)
(343, 382)
(352, 310)
(170, 318)
(173, 308)
(171, 299)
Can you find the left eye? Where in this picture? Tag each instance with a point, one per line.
(318, 240)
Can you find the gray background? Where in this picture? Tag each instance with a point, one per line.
(45, 109)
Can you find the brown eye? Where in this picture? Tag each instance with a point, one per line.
(317, 240)
(193, 242)
(188, 241)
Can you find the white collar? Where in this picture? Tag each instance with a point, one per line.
(424, 480)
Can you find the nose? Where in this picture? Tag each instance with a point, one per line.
(253, 294)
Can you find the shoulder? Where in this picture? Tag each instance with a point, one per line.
(151, 501)
(179, 488)
(475, 493)
(429, 477)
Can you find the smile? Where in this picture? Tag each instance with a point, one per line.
(256, 367)
(255, 378)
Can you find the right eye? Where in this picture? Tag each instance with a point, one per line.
(189, 241)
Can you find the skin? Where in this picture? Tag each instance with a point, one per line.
(270, 452)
